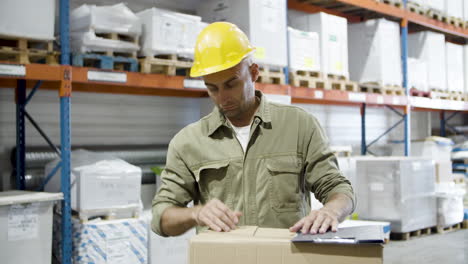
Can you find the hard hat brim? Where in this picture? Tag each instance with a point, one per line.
(197, 72)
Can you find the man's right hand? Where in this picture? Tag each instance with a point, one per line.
(217, 216)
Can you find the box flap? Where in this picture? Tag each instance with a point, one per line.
(19, 197)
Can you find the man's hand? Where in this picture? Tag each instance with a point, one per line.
(216, 216)
(318, 221)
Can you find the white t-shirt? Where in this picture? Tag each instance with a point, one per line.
(242, 134)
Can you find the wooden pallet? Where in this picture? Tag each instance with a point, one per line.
(440, 94)
(416, 92)
(415, 8)
(408, 235)
(105, 62)
(121, 37)
(457, 96)
(342, 83)
(458, 22)
(165, 64)
(464, 224)
(26, 51)
(437, 15)
(373, 87)
(396, 3)
(443, 230)
(309, 79)
(108, 214)
(269, 75)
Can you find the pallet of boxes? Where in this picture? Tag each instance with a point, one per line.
(168, 40)
(22, 39)
(264, 23)
(105, 37)
(105, 202)
(327, 34)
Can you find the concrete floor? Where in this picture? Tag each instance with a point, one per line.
(449, 248)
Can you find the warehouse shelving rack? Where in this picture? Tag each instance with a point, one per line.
(63, 77)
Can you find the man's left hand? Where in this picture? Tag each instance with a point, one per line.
(318, 221)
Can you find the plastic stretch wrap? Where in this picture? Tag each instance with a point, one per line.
(436, 148)
(417, 74)
(376, 55)
(105, 19)
(398, 190)
(106, 241)
(430, 47)
(168, 32)
(454, 64)
(88, 42)
(304, 50)
(449, 203)
(99, 182)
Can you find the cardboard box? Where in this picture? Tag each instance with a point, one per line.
(303, 50)
(376, 55)
(264, 23)
(417, 74)
(454, 64)
(26, 226)
(28, 19)
(333, 33)
(430, 47)
(465, 59)
(253, 245)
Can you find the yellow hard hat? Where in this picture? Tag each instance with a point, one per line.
(220, 46)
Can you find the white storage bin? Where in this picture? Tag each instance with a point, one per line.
(263, 21)
(99, 183)
(417, 74)
(26, 226)
(333, 33)
(455, 67)
(454, 8)
(375, 54)
(430, 47)
(106, 241)
(304, 50)
(30, 19)
(105, 19)
(399, 190)
(168, 32)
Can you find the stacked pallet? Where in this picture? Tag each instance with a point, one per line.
(105, 37)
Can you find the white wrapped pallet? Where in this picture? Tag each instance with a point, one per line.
(465, 65)
(419, 2)
(105, 19)
(399, 190)
(168, 32)
(438, 5)
(435, 148)
(106, 241)
(333, 33)
(29, 19)
(304, 50)
(417, 74)
(99, 183)
(454, 8)
(26, 226)
(263, 21)
(82, 42)
(449, 204)
(465, 11)
(454, 64)
(376, 55)
(430, 47)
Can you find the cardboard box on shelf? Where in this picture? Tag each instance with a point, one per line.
(304, 50)
(253, 245)
(333, 33)
(376, 52)
(454, 64)
(417, 74)
(454, 8)
(262, 21)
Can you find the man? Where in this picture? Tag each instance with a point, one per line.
(249, 162)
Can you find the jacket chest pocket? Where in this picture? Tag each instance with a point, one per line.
(214, 181)
(284, 176)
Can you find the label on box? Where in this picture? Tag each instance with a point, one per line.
(102, 76)
(23, 221)
(118, 248)
(194, 83)
(357, 97)
(260, 53)
(12, 70)
(318, 94)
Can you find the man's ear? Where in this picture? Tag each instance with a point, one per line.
(254, 72)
